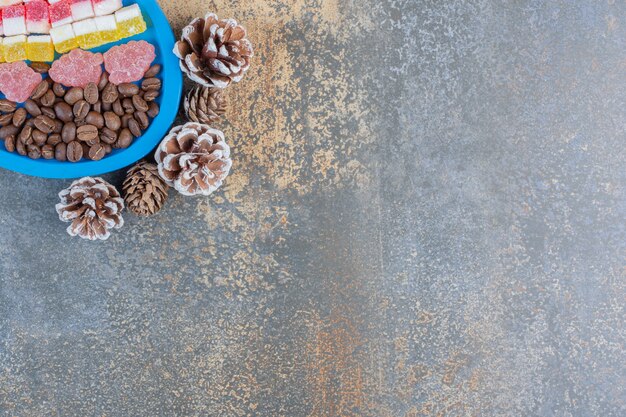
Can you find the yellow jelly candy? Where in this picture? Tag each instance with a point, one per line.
(129, 21)
(39, 48)
(14, 48)
(63, 38)
(107, 28)
(87, 34)
(1, 49)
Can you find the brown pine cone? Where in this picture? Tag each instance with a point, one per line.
(214, 52)
(93, 206)
(205, 105)
(144, 191)
(194, 159)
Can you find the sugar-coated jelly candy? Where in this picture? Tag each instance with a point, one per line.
(39, 48)
(130, 21)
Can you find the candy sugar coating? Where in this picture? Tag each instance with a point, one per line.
(87, 33)
(77, 68)
(39, 48)
(106, 7)
(128, 62)
(130, 21)
(63, 38)
(14, 48)
(18, 80)
(14, 20)
(81, 9)
(37, 17)
(60, 13)
(107, 28)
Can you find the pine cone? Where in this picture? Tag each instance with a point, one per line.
(194, 159)
(214, 52)
(144, 191)
(93, 206)
(205, 105)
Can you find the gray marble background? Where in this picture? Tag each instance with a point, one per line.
(425, 218)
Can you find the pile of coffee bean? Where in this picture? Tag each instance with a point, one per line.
(69, 124)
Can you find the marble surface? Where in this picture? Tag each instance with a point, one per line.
(425, 218)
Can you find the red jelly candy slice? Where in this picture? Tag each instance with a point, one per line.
(128, 63)
(18, 80)
(77, 68)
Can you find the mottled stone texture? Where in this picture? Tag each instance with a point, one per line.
(425, 218)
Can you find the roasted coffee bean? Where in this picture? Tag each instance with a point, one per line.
(74, 151)
(97, 107)
(8, 130)
(63, 111)
(140, 104)
(107, 148)
(48, 99)
(20, 148)
(7, 106)
(19, 117)
(104, 80)
(151, 95)
(58, 90)
(154, 110)
(26, 135)
(44, 123)
(30, 122)
(60, 152)
(54, 139)
(152, 71)
(91, 93)
(117, 108)
(73, 95)
(95, 118)
(97, 152)
(34, 151)
(47, 151)
(9, 143)
(48, 111)
(127, 104)
(125, 118)
(93, 141)
(38, 136)
(80, 122)
(108, 136)
(128, 89)
(58, 126)
(40, 67)
(68, 134)
(85, 149)
(124, 139)
(32, 108)
(87, 132)
(106, 106)
(143, 120)
(6, 119)
(134, 128)
(110, 93)
(40, 90)
(151, 84)
(112, 120)
(81, 109)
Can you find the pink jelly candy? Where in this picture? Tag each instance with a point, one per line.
(129, 62)
(77, 68)
(18, 80)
